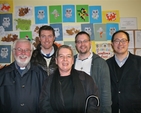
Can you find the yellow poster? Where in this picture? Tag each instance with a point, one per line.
(110, 16)
(6, 6)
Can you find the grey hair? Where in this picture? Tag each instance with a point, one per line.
(22, 40)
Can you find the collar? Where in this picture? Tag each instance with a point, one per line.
(48, 55)
(90, 56)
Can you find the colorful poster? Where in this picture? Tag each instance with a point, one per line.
(104, 50)
(58, 31)
(89, 29)
(95, 14)
(5, 53)
(41, 16)
(22, 24)
(82, 13)
(55, 14)
(26, 35)
(6, 22)
(6, 6)
(68, 13)
(72, 45)
(111, 28)
(100, 32)
(110, 16)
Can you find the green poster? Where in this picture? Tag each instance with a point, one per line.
(26, 35)
(82, 13)
(55, 14)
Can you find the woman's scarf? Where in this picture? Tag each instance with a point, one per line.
(56, 97)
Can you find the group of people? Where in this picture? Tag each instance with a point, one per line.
(51, 79)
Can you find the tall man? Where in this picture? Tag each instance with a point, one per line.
(125, 73)
(96, 67)
(44, 55)
(21, 81)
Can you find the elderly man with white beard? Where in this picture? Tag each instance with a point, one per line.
(21, 81)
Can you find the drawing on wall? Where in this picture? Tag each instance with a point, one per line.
(69, 31)
(55, 14)
(22, 24)
(2, 31)
(111, 28)
(110, 16)
(23, 12)
(82, 13)
(68, 13)
(58, 31)
(6, 6)
(100, 32)
(6, 22)
(89, 29)
(5, 53)
(104, 50)
(26, 35)
(95, 14)
(41, 16)
(10, 37)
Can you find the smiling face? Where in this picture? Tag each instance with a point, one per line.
(83, 44)
(22, 53)
(47, 39)
(120, 43)
(64, 60)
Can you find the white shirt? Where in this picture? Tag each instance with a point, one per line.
(84, 65)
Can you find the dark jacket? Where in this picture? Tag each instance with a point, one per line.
(38, 58)
(20, 94)
(89, 88)
(126, 93)
(101, 76)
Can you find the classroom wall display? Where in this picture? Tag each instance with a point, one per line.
(67, 20)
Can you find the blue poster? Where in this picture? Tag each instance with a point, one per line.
(68, 13)
(6, 21)
(41, 15)
(95, 14)
(5, 53)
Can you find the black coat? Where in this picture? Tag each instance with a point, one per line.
(20, 94)
(89, 88)
(127, 91)
(38, 59)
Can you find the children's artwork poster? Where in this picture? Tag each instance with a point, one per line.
(55, 14)
(93, 46)
(9, 37)
(2, 31)
(22, 24)
(6, 22)
(82, 13)
(72, 45)
(69, 31)
(104, 50)
(58, 31)
(100, 32)
(111, 28)
(95, 14)
(23, 12)
(89, 29)
(68, 13)
(5, 53)
(110, 16)
(6, 6)
(26, 35)
(41, 16)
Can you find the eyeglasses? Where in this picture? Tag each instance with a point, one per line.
(123, 41)
(22, 50)
(84, 41)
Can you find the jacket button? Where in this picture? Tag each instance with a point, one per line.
(119, 92)
(23, 86)
(22, 104)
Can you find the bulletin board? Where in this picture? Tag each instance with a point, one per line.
(24, 21)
